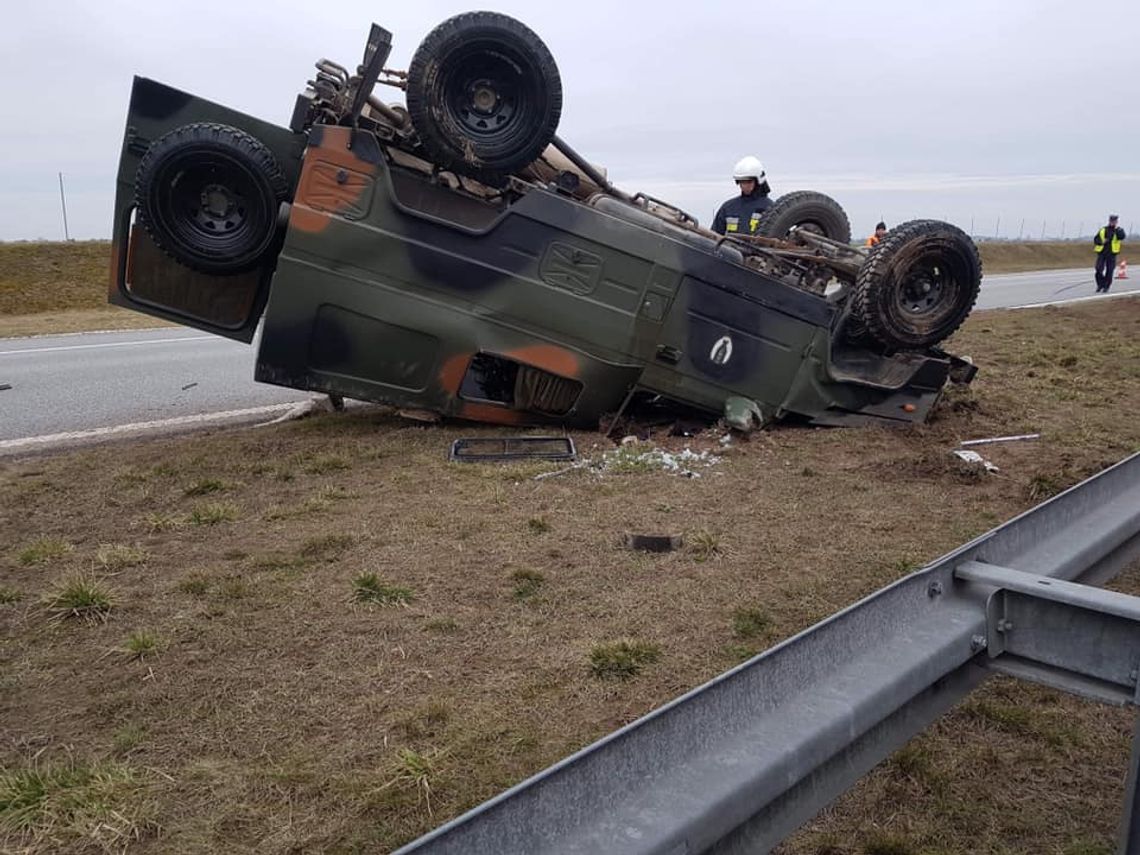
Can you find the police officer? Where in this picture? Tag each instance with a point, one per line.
(741, 214)
(1106, 245)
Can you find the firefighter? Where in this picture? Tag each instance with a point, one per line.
(741, 214)
(880, 233)
(1106, 245)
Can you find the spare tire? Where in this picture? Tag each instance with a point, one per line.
(208, 195)
(484, 95)
(917, 286)
(807, 209)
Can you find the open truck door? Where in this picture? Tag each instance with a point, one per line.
(199, 205)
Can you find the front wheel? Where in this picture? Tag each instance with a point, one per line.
(917, 286)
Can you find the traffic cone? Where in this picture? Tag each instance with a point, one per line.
(1122, 269)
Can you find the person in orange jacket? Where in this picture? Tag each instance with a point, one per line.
(880, 233)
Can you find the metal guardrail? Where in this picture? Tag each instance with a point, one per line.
(738, 764)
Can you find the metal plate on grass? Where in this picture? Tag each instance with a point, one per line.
(507, 448)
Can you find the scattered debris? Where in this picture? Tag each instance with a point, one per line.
(637, 456)
(653, 542)
(1000, 439)
(425, 416)
(633, 455)
(542, 476)
(5, 386)
(189, 386)
(974, 457)
(504, 449)
(301, 410)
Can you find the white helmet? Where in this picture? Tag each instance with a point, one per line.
(749, 167)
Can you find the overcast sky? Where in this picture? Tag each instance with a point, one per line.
(966, 110)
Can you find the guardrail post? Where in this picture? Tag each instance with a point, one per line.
(1129, 824)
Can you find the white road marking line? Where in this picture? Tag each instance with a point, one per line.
(108, 344)
(1070, 300)
(125, 331)
(179, 421)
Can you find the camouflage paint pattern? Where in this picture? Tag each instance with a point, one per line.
(390, 287)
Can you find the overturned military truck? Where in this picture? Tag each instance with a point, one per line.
(452, 254)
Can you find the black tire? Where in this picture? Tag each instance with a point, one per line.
(814, 211)
(484, 95)
(208, 195)
(917, 286)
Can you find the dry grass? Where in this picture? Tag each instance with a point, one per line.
(57, 287)
(77, 320)
(289, 717)
(49, 277)
(74, 806)
(78, 596)
(1013, 256)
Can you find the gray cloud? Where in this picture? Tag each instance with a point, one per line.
(973, 109)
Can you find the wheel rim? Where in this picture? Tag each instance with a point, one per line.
(922, 292)
(926, 298)
(489, 93)
(210, 203)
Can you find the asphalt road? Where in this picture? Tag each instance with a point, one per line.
(72, 388)
(1008, 290)
(97, 381)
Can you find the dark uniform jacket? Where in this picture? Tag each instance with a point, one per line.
(741, 214)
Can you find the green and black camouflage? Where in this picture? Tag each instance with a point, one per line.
(389, 281)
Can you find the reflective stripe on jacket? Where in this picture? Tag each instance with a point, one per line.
(1099, 241)
(741, 214)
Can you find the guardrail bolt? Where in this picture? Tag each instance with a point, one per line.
(934, 589)
(977, 643)
(1134, 675)
(1004, 625)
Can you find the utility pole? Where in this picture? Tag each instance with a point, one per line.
(1081, 230)
(997, 226)
(1042, 230)
(1021, 229)
(63, 204)
(971, 225)
(1062, 229)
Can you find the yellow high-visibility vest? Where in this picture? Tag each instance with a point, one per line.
(1115, 245)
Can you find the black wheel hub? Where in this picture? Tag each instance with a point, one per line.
(485, 107)
(208, 203)
(487, 92)
(922, 292)
(220, 209)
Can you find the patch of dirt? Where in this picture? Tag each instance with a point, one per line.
(279, 711)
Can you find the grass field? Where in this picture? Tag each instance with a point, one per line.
(1012, 257)
(59, 288)
(320, 636)
(62, 287)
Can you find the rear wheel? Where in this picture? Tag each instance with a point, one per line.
(917, 286)
(208, 195)
(484, 95)
(808, 210)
